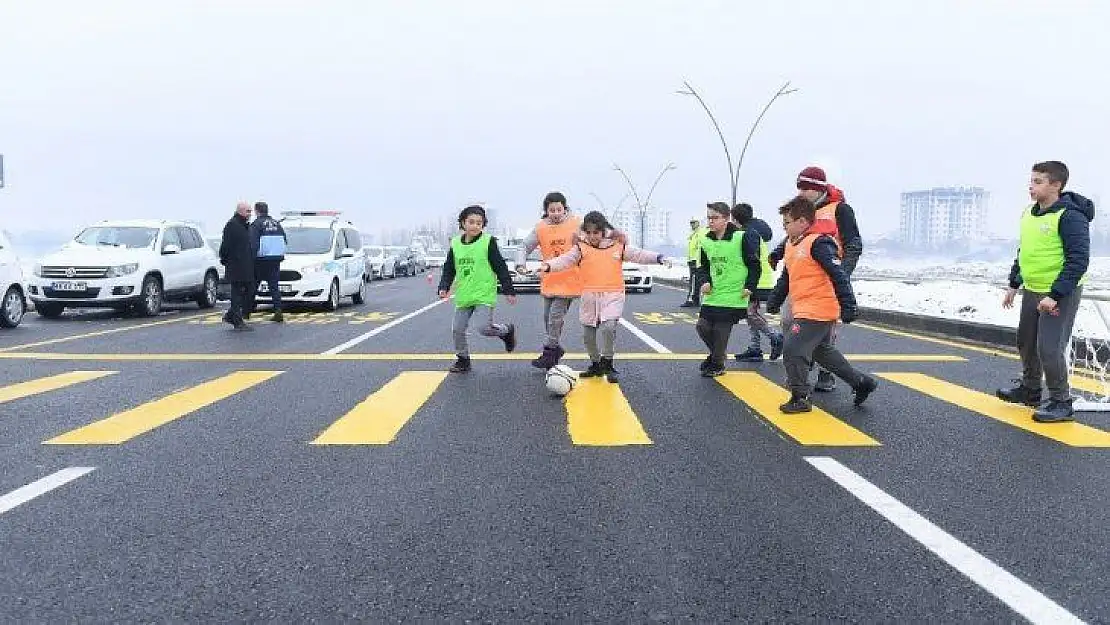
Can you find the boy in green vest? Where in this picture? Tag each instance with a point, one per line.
(743, 215)
(693, 254)
(1051, 265)
(475, 265)
(730, 270)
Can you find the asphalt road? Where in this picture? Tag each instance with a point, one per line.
(481, 497)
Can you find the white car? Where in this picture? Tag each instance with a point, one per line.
(436, 256)
(377, 267)
(13, 305)
(635, 278)
(324, 260)
(136, 264)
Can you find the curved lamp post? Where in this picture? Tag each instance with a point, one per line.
(642, 204)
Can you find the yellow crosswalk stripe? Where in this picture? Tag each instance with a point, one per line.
(49, 383)
(1070, 433)
(126, 425)
(378, 419)
(599, 415)
(816, 427)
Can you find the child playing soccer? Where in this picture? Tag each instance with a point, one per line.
(599, 258)
(758, 325)
(820, 293)
(730, 270)
(474, 265)
(1053, 254)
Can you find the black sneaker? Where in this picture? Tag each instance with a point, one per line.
(776, 346)
(1054, 411)
(510, 338)
(595, 370)
(798, 403)
(865, 388)
(713, 370)
(462, 365)
(753, 354)
(611, 374)
(705, 364)
(1020, 394)
(825, 381)
(546, 359)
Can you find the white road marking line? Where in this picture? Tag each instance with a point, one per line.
(1021, 597)
(26, 493)
(652, 343)
(382, 328)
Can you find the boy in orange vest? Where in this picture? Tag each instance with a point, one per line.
(820, 293)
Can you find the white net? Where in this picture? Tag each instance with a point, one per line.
(1089, 360)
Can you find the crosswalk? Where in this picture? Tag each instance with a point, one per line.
(598, 414)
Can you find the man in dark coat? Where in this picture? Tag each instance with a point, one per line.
(237, 257)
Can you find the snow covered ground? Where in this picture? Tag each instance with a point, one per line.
(970, 291)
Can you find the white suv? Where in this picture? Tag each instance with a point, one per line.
(127, 264)
(324, 260)
(13, 305)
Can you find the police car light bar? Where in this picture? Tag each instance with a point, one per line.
(311, 213)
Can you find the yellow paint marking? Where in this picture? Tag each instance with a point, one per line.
(50, 383)
(810, 428)
(1088, 384)
(378, 419)
(141, 357)
(652, 318)
(1071, 433)
(599, 415)
(126, 425)
(89, 335)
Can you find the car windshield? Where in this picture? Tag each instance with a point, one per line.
(308, 240)
(118, 236)
(374, 251)
(400, 251)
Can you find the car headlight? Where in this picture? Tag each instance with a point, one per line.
(122, 270)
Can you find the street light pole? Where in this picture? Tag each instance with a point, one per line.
(734, 174)
(641, 205)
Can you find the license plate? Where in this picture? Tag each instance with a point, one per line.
(285, 288)
(69, 286)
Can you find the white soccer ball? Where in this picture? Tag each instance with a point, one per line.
(561, 379)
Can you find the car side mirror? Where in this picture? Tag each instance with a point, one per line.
(347, 253)
(171, 249)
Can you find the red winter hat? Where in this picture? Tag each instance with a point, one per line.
(813, 179)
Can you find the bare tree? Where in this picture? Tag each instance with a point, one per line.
(734, 174)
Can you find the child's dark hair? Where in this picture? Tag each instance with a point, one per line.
(799, 208)
(472, 210)
(594, 220)
(552, 198)
(1055, 170)
(742, 213)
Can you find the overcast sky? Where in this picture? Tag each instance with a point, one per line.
(398, 112)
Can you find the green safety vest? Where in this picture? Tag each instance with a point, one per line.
(475, 281)
(1041, 250)
(766, 274)
(693, 249)
(726, 264)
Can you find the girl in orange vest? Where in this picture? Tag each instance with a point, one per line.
(556, 233)
(599, 258)
(820, 293)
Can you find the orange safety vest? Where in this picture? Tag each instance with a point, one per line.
(555, 240)
(601, 268)
(825, 222)
(812, 296)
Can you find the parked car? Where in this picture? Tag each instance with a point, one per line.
(14, 304)
(137, 264)
(405, 265)
(324, 260)
(378, 263)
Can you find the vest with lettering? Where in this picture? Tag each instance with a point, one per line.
(475, 280)
(555, 240)
(812, 296)
(728, 271)
(601, 268)
(1041, 250)
(825, 222)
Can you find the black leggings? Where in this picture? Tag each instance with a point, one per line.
(715, 336)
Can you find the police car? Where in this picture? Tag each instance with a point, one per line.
(324, 260)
